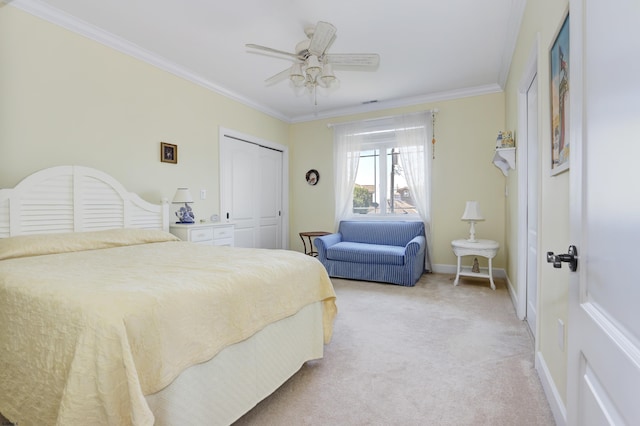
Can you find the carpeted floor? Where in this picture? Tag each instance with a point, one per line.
(433, 354)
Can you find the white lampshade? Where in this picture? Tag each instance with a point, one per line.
(182, 196)
(472, 212)
(472, 215)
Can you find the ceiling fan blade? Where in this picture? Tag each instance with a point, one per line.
(354, 59)
(322, 38)
(269, 49)
(274, 79)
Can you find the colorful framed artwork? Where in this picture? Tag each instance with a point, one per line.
(168, 153)
(559, 82)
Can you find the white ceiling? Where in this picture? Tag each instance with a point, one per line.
(429, 49)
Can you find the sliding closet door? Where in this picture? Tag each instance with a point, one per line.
(238, 176)
(251, 192)
(270, 221)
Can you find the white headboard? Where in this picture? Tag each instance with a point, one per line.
(73, 199)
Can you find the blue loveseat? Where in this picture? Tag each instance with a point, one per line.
(384, 251)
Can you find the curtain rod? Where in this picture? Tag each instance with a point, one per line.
(432, 111)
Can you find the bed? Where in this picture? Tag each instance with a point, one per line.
(106, 318)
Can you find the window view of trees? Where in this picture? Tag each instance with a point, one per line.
(381, 188)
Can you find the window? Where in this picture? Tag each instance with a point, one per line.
(381, 187)
(382, 169)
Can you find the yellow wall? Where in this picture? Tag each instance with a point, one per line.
(541, 22)
(466, 131)
(69, 100)
(65, 99)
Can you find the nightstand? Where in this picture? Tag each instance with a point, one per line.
(209, 233)
(482, 248)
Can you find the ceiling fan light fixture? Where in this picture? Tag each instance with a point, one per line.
(313, 67)
(310, 86)
(327, 77)
(296, 75)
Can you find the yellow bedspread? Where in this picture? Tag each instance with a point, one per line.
(85, 334)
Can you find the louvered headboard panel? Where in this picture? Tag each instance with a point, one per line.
(73, 199)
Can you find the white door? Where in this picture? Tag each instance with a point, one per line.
(251, 187)
(270, 213)
(604, 297)
(532, 205)
(239, 174)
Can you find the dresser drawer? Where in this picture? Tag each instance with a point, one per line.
(223, 232)
(201, 235)
(219, 234)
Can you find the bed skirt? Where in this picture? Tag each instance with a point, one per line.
(220, 391)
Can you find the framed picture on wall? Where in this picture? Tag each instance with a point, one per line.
(168, 153)
(559, 82)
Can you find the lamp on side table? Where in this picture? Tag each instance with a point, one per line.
(185, 214)
(472, 215)
(474, 247)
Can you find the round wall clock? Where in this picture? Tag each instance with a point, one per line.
(312, 177)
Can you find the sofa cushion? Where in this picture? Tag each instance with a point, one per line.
(394, 233)
(366, 253)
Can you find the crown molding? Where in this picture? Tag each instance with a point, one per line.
(403, 102)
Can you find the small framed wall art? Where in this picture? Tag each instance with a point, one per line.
(168, 153)
(312, 177)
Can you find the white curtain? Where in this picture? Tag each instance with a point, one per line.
(413, 133)
(412, 137)
(347, 143)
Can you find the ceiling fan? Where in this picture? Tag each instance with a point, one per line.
(313, 66)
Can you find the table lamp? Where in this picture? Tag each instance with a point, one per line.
(185, 214)
(472, 215)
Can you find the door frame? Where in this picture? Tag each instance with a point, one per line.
(285, 174)
(530, 72)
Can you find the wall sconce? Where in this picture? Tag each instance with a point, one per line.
(472, 215)
(185, 214)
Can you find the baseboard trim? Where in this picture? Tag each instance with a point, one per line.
(444, 269)
(551, 391)
(514, 298)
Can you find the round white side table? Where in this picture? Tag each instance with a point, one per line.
(482, 248)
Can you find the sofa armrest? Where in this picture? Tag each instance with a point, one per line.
(415, 246)
(324, 242)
